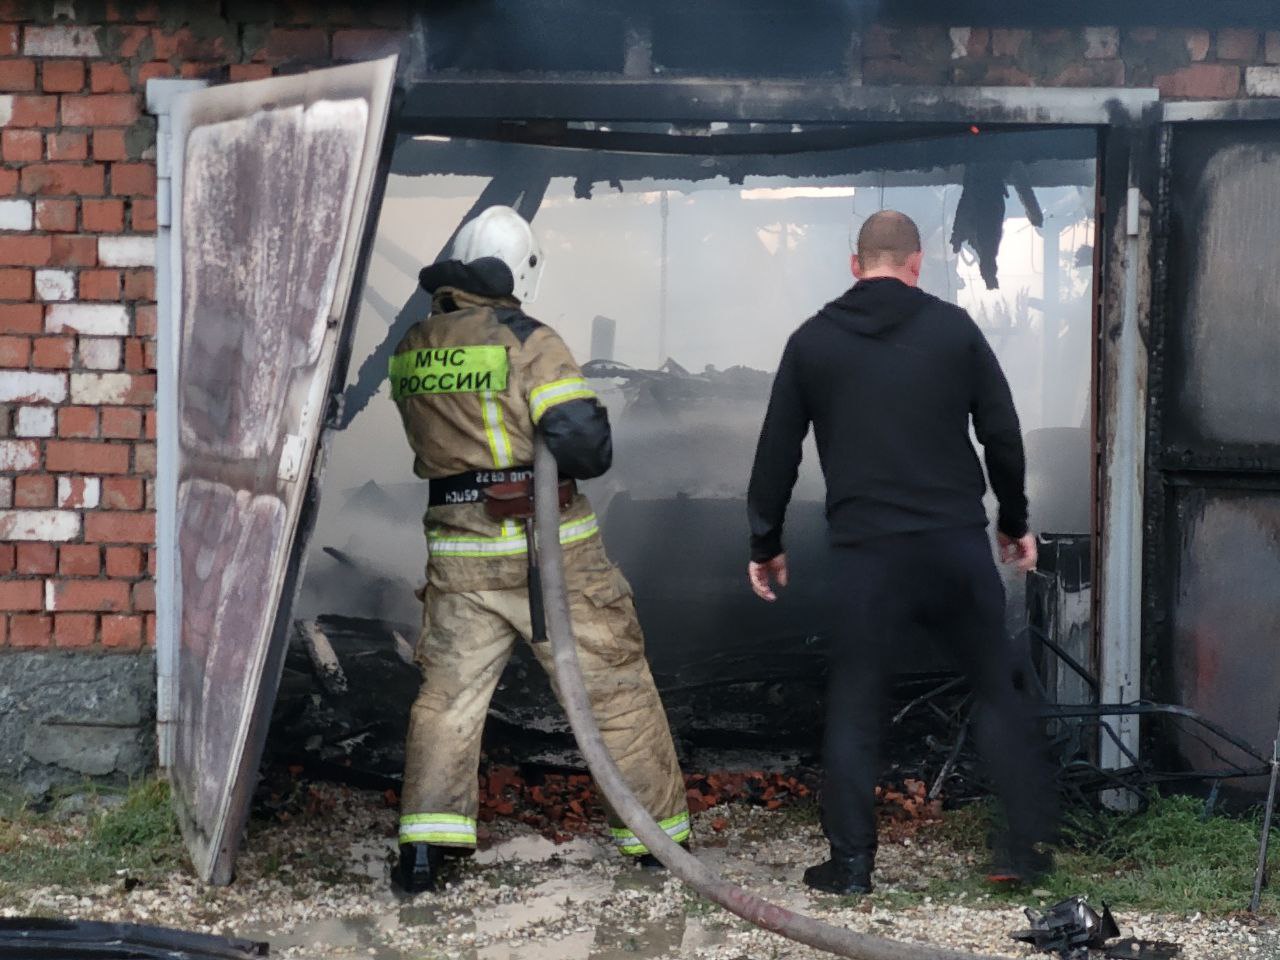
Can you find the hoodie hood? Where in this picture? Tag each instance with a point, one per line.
(871, 308)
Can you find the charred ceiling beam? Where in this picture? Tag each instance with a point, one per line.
(1068, 160)
(709, 143)
(611, 98)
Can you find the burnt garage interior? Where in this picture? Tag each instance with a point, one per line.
(676, 277)
(689, 225)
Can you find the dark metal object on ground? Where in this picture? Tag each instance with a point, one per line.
(1133, 949)
(577, 705)
(1260, 877)
(1070, 928)
(39, 938)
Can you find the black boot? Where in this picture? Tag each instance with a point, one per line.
(419, 867)
(648, 861)
(844, 874)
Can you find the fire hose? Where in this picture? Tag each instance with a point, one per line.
(577, 705)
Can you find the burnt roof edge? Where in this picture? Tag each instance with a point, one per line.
(763, 101)
(1204, 111)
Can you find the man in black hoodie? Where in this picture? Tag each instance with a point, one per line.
(890, 378)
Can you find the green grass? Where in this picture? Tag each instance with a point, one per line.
(140, 836)
(1165, 859)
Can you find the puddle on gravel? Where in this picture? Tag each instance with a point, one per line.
(535, 848)
(547, 902)
(533, 914)
(371, 858)
(366, 938)
(336, 938)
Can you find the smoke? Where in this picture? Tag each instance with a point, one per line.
(703, 291)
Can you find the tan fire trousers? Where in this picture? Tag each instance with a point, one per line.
(466, 640)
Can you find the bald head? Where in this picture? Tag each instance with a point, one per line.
(887, 236)
(888, 246)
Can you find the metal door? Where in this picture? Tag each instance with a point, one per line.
(272, 182)
(1213, 499)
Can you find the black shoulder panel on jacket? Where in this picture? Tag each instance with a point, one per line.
(577, 432)
(521, 324)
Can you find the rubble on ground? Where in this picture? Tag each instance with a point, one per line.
(313, 882)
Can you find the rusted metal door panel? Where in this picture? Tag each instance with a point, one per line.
(272, 184)
(1226, 621)
(1213, 512)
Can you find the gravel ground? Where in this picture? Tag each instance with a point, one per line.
(315, 886)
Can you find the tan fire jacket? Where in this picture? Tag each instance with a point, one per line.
(471, 382)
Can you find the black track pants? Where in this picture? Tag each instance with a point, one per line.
(946, 581)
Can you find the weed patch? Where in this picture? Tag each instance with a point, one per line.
(139, 837)
(1166, 858)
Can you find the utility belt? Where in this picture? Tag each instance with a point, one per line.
(506, 494)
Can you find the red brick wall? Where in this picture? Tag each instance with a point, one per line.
(77, 213)
(77, 292)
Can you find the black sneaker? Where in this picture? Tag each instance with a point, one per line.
(843, 874)
(419, 867)
(1025, 867)
(648, 861)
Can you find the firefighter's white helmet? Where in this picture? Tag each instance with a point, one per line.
(501, 232)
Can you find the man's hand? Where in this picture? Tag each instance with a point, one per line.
(762, 576)
(1022, 551)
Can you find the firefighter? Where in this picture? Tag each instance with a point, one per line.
(473, 382)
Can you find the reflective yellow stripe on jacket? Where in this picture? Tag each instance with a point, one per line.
(495, 428)
(543, 398)
(506, 544)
